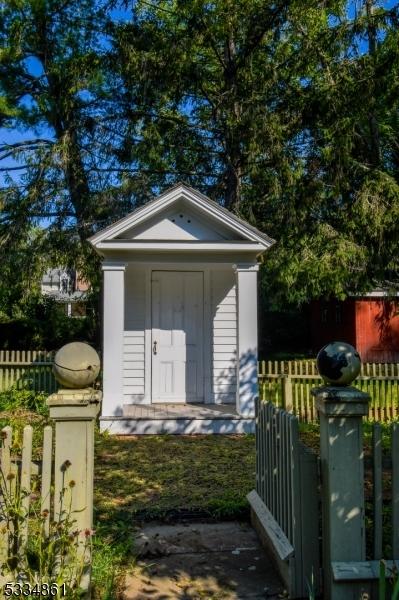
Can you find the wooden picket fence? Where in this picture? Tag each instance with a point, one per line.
(30, 369)
(385, 464)
(302, 512)
(288, 384)
(285, 383)
(51, 496)
(18, 473)
(286, 499)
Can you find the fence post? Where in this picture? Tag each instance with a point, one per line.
(341, 451)
(288, 404)
(74, 413)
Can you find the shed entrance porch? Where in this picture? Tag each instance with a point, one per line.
(188, 418)
(177, 336)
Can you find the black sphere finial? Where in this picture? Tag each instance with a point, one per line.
(338, 363)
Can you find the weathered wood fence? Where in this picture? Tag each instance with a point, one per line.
(385, 497)
(30, 369)
(340, 511)
(17, 472)
(289, 383)
(62, 479)
(285, 502)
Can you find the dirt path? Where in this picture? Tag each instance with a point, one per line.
(204, 561)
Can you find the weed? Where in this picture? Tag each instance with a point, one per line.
(36, 550)
(14, 399)
(112, 550)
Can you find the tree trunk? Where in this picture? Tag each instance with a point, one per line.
(233, 172)
(375, 155)
(64, 119)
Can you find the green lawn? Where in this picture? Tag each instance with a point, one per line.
(145, 477)
(156, 476)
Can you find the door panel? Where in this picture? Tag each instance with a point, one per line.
(177, 336)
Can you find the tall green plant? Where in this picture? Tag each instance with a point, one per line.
(36, 551)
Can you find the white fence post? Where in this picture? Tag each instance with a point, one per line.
(74, 413)
(341, 410)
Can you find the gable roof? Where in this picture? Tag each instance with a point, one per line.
(198, 200)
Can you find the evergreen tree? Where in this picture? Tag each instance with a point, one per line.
(285, 112)
(54, 87)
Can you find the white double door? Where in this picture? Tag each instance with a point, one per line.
(177, 346)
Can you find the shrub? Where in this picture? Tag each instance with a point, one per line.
(14, 399)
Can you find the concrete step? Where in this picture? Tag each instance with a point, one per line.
(220, 561)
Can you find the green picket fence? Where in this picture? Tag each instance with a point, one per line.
(285, 383)
(288, 384)
(27, 369)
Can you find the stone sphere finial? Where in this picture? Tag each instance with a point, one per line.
(76, 365)
(338, 363)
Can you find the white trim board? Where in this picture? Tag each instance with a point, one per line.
(200, 202)
(172, 246)
(184, 426)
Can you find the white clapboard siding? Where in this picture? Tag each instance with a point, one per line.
(225, 325)
(222, 375)
(226, 307)
(132, 373)
(131, 349)
(131, 364)
(133, 386)
(134, 336)
(225, 317)
(228, 333)
(133, 394)
(225, 348)
(134, 299)
(222, 359)
(224, 334)
(223, 387)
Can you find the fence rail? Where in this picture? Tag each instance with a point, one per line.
(288, 384)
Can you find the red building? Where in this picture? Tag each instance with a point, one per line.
(370, 323)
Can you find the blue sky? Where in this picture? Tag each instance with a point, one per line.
(13, 135)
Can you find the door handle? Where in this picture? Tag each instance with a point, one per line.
(154, 348)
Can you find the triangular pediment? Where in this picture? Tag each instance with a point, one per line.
(181, 215)
(181, 222)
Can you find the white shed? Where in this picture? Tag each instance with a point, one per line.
(180, 317)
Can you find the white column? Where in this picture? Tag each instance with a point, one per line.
(113, 330)
(247, 338)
